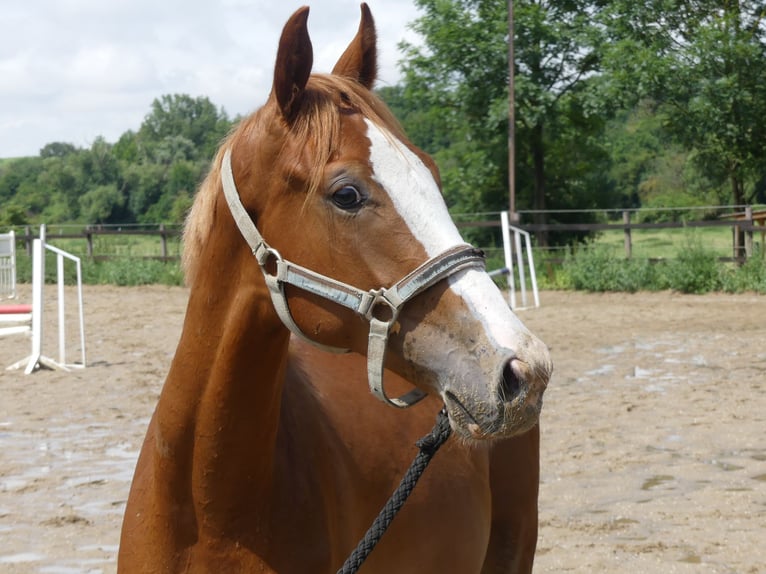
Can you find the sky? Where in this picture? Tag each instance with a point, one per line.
(73, 70)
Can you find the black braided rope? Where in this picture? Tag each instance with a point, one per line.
(428, 446)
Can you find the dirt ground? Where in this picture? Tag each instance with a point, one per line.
(653, 448)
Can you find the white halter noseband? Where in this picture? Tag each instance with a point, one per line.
(379, 306)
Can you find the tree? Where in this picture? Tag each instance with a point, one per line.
(703, 62)
(459, 81)
(100, 204)
(195, 120)
(20, 195)
(57, 149)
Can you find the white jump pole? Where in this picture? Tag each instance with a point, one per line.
(520, 265)
(62, 315)
(505, 226)
(532, 273)
(82, 318)
(38, 280)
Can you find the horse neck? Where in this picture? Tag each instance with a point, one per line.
(221, 402)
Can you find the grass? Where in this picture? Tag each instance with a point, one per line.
(694, 269)
(120, 271)
(666, 243)
(112, 245)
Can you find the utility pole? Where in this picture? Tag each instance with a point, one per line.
(513, 216)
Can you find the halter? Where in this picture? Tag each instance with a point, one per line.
(379, 306)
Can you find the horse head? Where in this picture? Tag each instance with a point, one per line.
(355, 247)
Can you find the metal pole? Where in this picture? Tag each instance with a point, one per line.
(514, 217)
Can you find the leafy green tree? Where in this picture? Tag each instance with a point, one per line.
(169, 154)
(20, 193)
(57, 149)
(101, 204)
(176, 116)
(13, 215)
(126, 148)
(98, 164)
(703, 62)
(13, 173)
(457, 80)
(180, 207)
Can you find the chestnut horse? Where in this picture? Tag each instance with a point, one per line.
(269, 454)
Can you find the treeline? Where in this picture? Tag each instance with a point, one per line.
(147, 176)
(618, 104)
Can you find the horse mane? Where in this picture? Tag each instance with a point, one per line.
(317, 127)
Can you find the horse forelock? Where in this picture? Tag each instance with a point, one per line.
(315, 131)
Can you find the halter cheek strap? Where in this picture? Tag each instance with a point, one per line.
(379, 306)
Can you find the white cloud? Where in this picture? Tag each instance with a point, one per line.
(73, 70)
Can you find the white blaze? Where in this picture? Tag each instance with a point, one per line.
(418, 200)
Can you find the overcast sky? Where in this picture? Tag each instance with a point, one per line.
(71, 70)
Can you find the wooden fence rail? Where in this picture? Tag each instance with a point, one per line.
(743, 226)
(89, 233)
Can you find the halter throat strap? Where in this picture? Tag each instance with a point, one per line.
(379, 306)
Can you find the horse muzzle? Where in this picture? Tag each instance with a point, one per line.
(506, 403)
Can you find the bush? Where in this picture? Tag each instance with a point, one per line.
(598, 269)
(131, 271)
(751, 276)
(122, 271)
(694, 270)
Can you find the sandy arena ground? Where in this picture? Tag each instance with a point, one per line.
(654, 433)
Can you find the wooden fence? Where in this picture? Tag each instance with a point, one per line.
(89, 233)
(743, 225)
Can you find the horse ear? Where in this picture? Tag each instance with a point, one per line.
(295, 57)
(360, 60)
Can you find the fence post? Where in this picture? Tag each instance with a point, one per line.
(164, 239)
(28, 240)
(89, 241)
(749, 232)
(628, 242)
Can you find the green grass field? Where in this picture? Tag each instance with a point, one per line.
(666, 243)
(127, 246)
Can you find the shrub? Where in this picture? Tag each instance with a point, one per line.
(751, 276)
(132, 271)
(599, 269)
(694, 270)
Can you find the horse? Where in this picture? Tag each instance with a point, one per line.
(319, 252)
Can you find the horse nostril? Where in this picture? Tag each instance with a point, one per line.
(512, 380)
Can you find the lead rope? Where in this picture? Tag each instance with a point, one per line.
(428, 446)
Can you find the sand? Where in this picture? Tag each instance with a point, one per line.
(653, 432)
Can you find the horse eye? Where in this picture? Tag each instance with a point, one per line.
(348, 197)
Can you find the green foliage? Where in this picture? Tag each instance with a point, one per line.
(147, 176)
(99, 203)
(702, 61)
(133, 271)
(682, 81)
(751, 276)
(124, 270)
(693, 269)
(600, 269)
(455, 99)
(182, 127)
